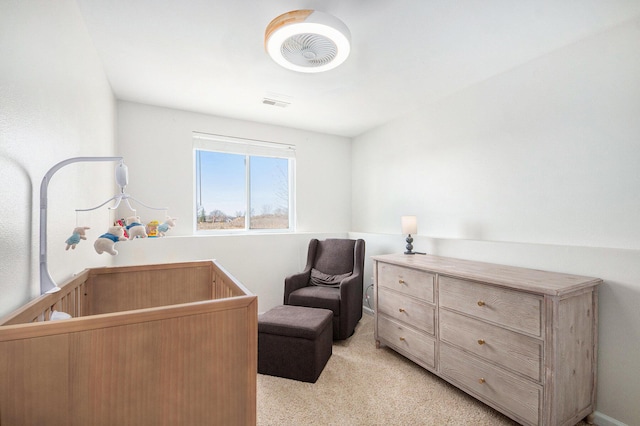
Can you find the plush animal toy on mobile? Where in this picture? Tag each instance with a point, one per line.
(76, 236)
(135, 228)
(106, 242)
(168, 224)
(121, 222)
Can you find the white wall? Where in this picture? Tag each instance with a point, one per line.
(157, 146)
(260, 262)
(55, 103)
(536, 167)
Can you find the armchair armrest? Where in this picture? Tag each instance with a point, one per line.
(294, 282)
(351, 289)
(350, 302)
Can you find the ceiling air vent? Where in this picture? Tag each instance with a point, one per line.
(275, 102)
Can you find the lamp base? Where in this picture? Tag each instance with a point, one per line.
(409, 247)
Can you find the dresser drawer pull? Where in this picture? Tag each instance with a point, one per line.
(480, 303)
(400, 281)
(402, 339)
(481, 380)
(400, 310)
(481, 341)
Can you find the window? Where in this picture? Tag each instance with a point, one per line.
(243, 184)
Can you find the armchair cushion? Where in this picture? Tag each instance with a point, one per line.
(326, 280)
(318, 297)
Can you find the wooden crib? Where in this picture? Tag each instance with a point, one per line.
(172, 344)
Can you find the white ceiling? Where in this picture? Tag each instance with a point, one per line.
(208, 55)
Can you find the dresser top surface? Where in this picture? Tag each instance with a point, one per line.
(531, 280)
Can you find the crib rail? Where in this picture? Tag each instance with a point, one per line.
(224, 284)
(115, 289)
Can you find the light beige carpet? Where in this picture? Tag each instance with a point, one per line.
(362, 385)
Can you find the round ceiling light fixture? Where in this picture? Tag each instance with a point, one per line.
(307, 41)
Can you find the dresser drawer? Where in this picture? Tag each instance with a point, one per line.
(411, 311)
(497, 387)
(516, 310)
(408, 281)
(406, 340)
(520, 353)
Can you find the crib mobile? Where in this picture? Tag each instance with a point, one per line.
(122, 229)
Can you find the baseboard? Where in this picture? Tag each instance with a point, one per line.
(603, 420)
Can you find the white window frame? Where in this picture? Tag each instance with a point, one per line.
(246, 147)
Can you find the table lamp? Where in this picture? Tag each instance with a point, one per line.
(409, 226)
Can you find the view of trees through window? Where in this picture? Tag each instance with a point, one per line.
(228, 186)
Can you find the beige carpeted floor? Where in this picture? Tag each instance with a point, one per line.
(362, 385)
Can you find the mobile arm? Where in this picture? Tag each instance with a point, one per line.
(47, 285)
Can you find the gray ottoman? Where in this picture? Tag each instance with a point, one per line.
(294, 342)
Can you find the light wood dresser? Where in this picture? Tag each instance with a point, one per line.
(522, 341)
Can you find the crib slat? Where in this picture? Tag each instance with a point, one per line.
(39, 309)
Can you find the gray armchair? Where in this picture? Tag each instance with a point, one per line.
(332, 279)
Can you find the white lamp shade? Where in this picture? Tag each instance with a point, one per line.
(409, 225)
